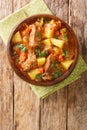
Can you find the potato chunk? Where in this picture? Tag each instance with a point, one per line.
(34, 72)
(41, 61)
(57, 42)
(16, 37)
(47, 42)
(67, 63)
(48, 33)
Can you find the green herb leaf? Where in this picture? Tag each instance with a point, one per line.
(37, 34)
(38, 76)
(57, 74)
(22, 47)
(66, 38)
(62, 69)
(39, 53)
(37, 50)
(43, 54)
(65, 52)
(52, 64)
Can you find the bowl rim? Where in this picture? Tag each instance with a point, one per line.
(22, 74)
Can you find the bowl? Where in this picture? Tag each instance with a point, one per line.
(73, 46)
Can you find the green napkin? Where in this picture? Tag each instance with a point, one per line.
(8, 23)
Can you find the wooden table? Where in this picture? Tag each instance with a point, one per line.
(66, 109)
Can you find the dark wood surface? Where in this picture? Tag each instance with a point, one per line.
(66, 109)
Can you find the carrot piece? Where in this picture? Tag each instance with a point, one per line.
(57, 53)
(61, 58)
(54, 26)
(40, 70)
(57, 33)
(23, 56)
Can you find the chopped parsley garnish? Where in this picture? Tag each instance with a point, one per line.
(37, 50)
(38, 76)
(22, 47)
(39, 53)
(43, 54)
(65, 52)
(37, 34)
(53, 64)
(57, 74)
(66, 38)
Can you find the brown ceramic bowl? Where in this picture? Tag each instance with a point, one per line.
(73, 43)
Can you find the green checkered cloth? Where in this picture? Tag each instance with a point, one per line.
(8, 23)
